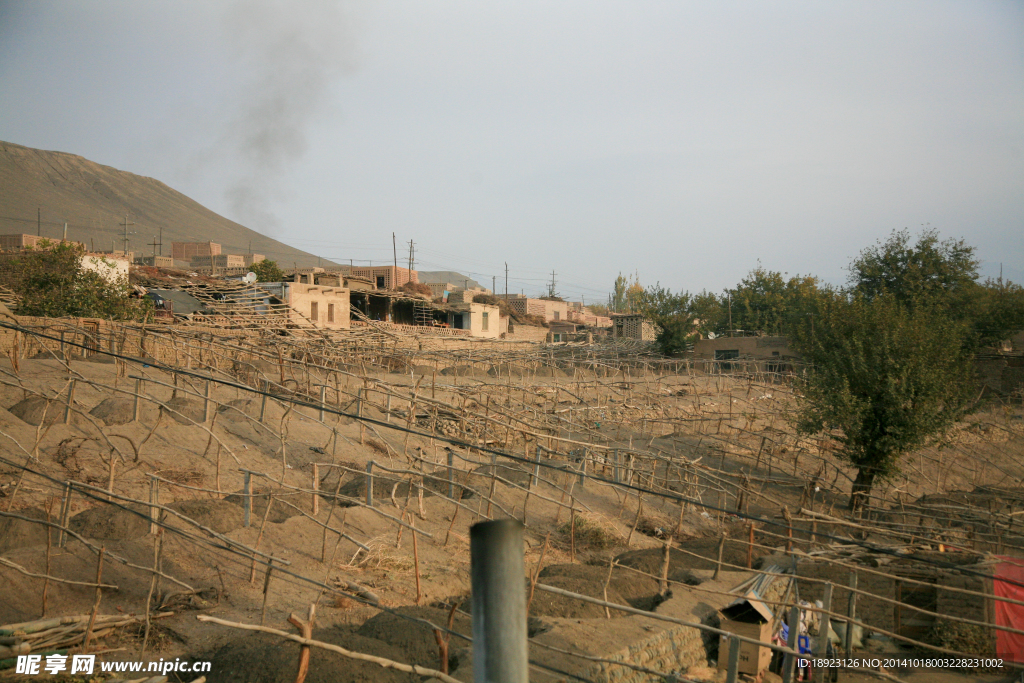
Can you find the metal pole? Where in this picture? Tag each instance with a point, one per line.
(206, 402)
(263, 399)
(536, 468)
(851, 612)
(247, 491)
(499, 602)
(789, 661)
(732, 673)
(154, 500)
(583, 468)
(71, 400)
(323, 400)
(369, 483)
(135, 405)
(824, 625)
(451, 477)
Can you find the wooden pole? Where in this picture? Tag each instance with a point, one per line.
(95, 605)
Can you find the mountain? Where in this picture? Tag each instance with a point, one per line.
(428, 276)
(94, 199)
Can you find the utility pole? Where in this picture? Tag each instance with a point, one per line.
(730, 314)
(39, 222)
(506, 281)
(124, 240)
(411, 258)
(65, 239)
(494, 283)
(551, 291)
(394, 247)
(160, 244)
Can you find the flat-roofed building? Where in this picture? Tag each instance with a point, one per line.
(386, 277)
(184, 251)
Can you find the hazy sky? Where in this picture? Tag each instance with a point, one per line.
(683, 141)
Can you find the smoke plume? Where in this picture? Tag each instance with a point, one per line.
(291, 53)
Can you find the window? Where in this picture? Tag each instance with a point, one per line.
(557, 315)
(314, 312)
(726, 354)
(330, 313)
(380, 282)
(485, 321)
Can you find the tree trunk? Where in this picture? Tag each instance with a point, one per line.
(861, 489)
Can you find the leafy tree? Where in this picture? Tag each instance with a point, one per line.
(617, 302)
(52, 283)
(928, 272)
(671, 313)
(598, 309)
(267, 271)
(890, 360)
(710, 313)
(765, 301)
(943, 274)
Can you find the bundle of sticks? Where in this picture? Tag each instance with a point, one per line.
(55, 635)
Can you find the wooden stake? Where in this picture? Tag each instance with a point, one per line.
(96, 605)
(721, 550)
(416, 557)
(157, 547)
(306, 631)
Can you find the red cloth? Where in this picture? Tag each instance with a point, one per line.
(1009, 646)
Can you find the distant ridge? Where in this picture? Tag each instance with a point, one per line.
(94, 199)
(428, 276)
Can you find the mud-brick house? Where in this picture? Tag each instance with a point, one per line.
(482, 320)
(313, 305)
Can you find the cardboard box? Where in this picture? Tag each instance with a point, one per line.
(751, 618)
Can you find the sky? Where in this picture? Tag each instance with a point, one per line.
(683, 143)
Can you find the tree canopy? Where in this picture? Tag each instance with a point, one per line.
(267, 271)
(882, 379)
(52, 283)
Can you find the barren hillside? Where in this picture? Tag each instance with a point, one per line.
(93, 199)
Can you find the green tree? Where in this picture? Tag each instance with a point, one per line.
(617, 301)
(942, 274)
(710, 313)
(765, 301)
(928, 272)
(890, 363)
(267, 271)
(671, 313)
(52, 283)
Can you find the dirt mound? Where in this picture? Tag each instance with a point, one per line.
(681, 563)
(31, 409)
(282, 509)
(639, 591)
(550, 605)
(112, 522)
(263, 658)
(17, 533)
(114, 411)
(185, 410)
(550, 372)
(220, 515)
(416, 640)
(464, 371)
(511, 473)
(52, 355)
(423, 370)
(238, 409)
(100, 358)
(382, 488)
(506, 370)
